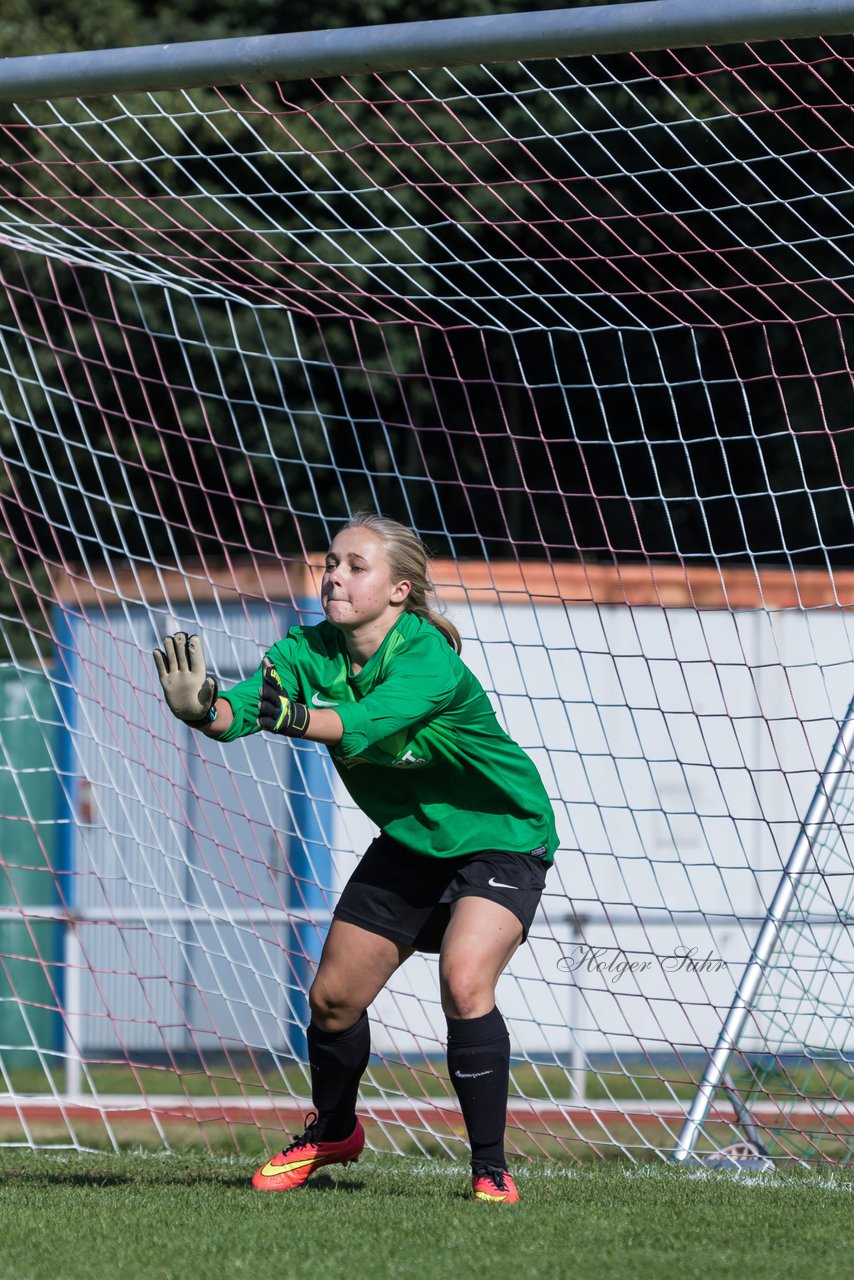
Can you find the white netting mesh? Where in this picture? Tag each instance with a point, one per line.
(583, 325)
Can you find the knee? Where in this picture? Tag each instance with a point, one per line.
(331, 1008)
(465, 993)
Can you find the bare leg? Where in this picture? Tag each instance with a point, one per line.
(476, 949)
(354, 967)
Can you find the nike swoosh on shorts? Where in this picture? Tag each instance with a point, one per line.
(496, 884)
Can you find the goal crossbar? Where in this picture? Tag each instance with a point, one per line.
(452, 42)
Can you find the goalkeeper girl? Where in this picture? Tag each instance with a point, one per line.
(466, 829)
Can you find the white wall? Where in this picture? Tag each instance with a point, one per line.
(681, 750)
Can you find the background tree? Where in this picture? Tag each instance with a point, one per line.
(724, 474)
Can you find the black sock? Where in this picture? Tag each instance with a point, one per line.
(338, 1060)
(479, 1067)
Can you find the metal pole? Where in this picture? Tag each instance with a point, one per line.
(73, 1013)
(743, 1117)
(577, 1061)
(839, 762)
(653, 24)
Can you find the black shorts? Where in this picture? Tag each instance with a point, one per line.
(407, 897)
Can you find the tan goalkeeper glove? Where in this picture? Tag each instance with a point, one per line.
(189, 691)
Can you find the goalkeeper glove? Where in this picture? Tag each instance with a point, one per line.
(189, 691)
(276, 712)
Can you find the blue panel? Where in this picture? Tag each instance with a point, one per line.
(310, 858)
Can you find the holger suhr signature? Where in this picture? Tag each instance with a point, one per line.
(614, 964)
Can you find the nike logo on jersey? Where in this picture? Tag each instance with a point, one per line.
(496, 884)
(317, 701)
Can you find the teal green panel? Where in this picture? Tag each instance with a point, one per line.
(30, 952)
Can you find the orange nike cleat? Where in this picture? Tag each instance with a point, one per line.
(493, 1185)
(291, 1167)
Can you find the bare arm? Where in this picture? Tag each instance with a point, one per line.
(223, 722)
(325, 726)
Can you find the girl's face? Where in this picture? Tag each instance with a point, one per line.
(357, 587)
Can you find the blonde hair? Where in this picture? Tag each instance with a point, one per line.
(407, 558)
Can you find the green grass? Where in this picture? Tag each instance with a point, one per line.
(137, 1217)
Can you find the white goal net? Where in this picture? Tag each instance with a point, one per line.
(585, 324)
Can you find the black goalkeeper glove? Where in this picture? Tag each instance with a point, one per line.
(276, 712)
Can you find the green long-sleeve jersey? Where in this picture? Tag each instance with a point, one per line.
(422, 754)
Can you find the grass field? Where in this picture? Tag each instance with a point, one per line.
(174, 1217)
